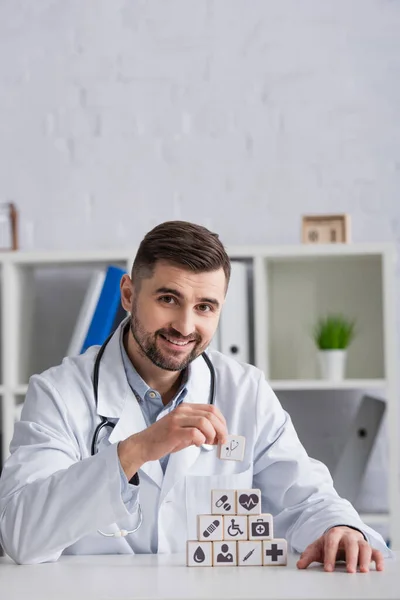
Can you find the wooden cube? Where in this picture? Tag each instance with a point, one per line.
(224, 554)
(261, 527)
(235, 527)
(223, 502)
(233, 449)
(274, 552)
(249, 554)
(209, 528)
(198, 554)
(248, 502)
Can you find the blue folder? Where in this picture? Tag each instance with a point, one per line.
(108, 307)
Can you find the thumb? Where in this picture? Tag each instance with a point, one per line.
(309, 555)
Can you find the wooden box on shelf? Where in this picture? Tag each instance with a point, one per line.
(326, 229)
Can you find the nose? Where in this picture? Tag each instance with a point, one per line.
(184, 323)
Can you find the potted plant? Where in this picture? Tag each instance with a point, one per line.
(333, 334)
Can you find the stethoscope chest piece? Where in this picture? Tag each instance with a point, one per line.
(208, 447)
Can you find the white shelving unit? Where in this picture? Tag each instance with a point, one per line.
(292, 286)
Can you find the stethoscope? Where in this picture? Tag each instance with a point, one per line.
(106, 423)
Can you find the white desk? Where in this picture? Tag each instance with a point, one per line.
(162, 577)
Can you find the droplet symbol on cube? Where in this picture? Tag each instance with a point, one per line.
(199, 555)
(248, 501)
(212, 527)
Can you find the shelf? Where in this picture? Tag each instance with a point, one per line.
(289, 288)
(41, 259)
(21, 389)
(299, 291)
(295, 251)
(294, 384)
(300, 251)
(320, 384)
(374, 518)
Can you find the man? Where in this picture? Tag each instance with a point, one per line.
(139, 482)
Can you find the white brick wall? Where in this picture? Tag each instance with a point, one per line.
(239, 115)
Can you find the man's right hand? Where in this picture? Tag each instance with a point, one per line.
(186, 425)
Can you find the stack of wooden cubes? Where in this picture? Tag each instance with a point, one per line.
(236, 533)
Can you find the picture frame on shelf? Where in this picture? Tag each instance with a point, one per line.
(326, 229)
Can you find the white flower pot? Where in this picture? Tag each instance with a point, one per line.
(332, 364)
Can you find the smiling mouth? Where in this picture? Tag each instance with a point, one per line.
(177, 343)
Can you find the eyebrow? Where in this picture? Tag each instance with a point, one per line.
(178, 294)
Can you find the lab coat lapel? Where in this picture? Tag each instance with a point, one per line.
(180, 462)
(116, 400)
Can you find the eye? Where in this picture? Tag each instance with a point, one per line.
(167, 299)
(205, 308)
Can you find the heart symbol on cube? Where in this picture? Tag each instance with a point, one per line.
(248, 501)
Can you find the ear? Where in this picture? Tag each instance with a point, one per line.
(126, 293)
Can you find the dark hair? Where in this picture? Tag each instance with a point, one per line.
(184, 244)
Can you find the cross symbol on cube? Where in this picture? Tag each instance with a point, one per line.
(274, 552)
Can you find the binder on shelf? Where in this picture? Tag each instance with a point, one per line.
(86, 312)
(233, 336)
(349, 471)
(104, 320)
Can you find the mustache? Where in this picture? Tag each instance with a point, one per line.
(173, 333)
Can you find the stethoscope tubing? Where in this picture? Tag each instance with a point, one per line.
(106, 423)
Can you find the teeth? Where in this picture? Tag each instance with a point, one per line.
(176, 343)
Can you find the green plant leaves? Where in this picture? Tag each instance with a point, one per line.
(334, 332)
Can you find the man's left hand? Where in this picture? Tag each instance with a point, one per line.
(342, 544)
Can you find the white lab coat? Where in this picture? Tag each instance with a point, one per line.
(54, 495)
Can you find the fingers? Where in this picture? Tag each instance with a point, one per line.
(364, 556)
(208, 408)
(210, 427)
(377, 557)
(205, 427)
(209, 422)
(311, 554)
(219, 427)
(331, 547)
(352, 548)
(191, 436)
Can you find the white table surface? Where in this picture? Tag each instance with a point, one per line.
(151, 577)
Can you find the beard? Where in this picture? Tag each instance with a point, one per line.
(147, 343)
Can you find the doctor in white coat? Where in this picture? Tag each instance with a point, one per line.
(138, 486)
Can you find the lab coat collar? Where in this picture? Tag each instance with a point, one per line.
(113, 387)
(199, 385)
(116, 400)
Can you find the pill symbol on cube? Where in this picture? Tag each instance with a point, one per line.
(221, 502)
(211, 528)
